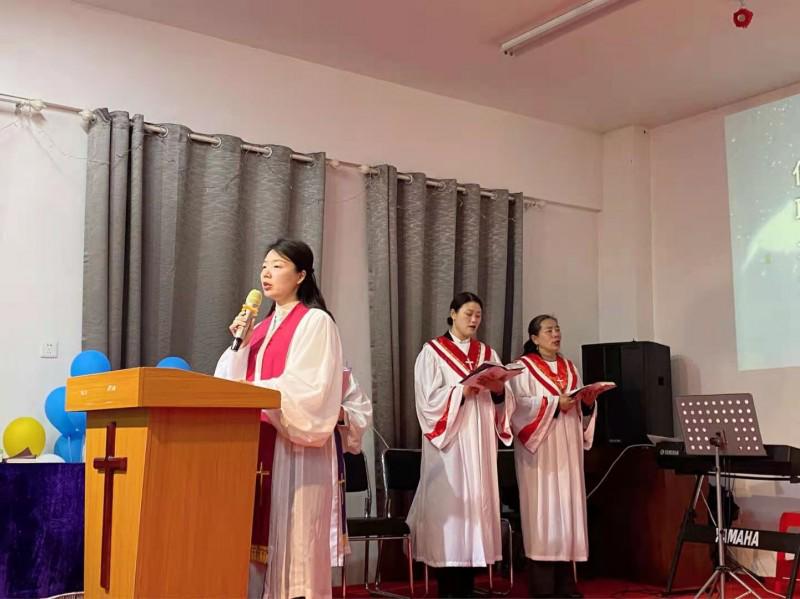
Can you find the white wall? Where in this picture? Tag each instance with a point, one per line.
(41, 261)
(69, 53)
(625, 259)
(693, 295)
(561, 270)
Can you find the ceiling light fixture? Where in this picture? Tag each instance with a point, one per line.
(562, 21)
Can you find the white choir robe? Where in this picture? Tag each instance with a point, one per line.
(455, 515)
(357, 408)
(548, 454)
(299, 562)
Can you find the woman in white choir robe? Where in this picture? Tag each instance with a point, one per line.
(552, 431)
(455, 516)
(296, 350)
(355, 418)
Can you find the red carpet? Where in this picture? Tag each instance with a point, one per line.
(596, 588)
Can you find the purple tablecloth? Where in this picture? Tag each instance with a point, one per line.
(41, 529)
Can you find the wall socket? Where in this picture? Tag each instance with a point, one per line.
(49, 349)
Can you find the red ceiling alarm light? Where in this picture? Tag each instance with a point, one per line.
(742, 17)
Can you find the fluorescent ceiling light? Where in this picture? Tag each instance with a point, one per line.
(570, 17)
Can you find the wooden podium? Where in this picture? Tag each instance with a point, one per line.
(170, 472)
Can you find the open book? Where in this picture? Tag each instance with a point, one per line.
(587, 393)
(490, 371)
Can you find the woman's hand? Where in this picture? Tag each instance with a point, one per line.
(566, 403)
(470, 391)
(495, 386)
(238, 324)
(588, 397)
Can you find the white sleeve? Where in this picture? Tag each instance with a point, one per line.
(587, 420)
(438, 404)
(588, 427)
(357, 416)
(311, 383)
(502, 415)
(532, 412)
(233, 364)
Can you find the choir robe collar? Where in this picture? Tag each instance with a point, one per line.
(463, 357)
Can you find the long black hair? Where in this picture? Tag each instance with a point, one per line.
(534, 326)
(460, 299)
(299, 254)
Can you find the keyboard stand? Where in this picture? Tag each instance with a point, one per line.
(692, 532)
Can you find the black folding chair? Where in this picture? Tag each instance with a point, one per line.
(370, 528)
(400, 474)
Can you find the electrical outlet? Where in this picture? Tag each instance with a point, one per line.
(49, 349)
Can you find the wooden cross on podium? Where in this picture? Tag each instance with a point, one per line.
(108, 465)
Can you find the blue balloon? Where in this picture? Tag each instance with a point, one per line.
(174, 362)
(69, 448)
(54, 410)
(90, 361)
(78, 420)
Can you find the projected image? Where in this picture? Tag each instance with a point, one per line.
(763, 152)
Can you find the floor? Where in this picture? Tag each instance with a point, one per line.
(597, 588)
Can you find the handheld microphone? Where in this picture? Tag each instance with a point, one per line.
(250, 308)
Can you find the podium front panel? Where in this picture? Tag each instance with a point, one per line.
(130, 442)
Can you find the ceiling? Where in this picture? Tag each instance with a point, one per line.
(646, 62)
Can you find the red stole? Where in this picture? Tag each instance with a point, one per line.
(449, 351)
(272, 365)
(563, 380)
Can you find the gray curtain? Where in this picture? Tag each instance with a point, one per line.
(175, 235)
(427, 243)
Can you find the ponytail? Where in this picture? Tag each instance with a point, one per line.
(534, 326)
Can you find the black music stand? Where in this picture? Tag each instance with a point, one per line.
(720, 425)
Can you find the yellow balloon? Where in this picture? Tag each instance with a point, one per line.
(22, 433)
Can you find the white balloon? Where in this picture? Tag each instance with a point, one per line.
(50, 458)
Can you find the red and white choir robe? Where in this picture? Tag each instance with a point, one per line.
(455, 516)
(297, 351)
(548, 455)
(357, 408)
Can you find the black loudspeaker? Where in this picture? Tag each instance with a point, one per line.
(642, 402)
